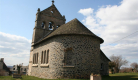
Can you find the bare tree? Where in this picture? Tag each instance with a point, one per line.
(111, 66)
(125, 70)
(119, 61)
(134, 66)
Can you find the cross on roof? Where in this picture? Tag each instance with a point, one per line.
(52, 1)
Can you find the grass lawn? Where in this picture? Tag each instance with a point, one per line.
(121, 76)
(117, 76)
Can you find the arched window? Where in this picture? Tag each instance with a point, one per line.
(42, 57)
(47, 57)
(68, 57)
(51, 26)
(102, 66)
(43, 25)
(35, 58)
(58, 26)
(52, 12)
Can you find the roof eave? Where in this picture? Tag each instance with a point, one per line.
(101, 40)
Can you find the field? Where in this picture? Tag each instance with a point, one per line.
(122, 76)
(117, 76)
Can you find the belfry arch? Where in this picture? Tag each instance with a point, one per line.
(51, 25)
(43, 25)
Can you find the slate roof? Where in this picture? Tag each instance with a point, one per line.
(74, 27)
(101, 52)
(5, 67)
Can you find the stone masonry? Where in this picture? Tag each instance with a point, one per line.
(85, 57)
(64, 50)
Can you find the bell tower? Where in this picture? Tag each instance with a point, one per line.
(46, 22)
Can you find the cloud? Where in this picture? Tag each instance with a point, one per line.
(15, 49)
(86, 12)
(113, 23)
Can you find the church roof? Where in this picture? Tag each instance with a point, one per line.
(4, 67)
(102, 54)
(74, 27)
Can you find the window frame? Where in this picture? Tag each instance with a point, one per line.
(45, 58)
(35, 59)
(51, 25)
(65, 58)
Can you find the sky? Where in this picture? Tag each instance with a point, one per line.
(116, 21)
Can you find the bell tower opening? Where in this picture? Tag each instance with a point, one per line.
(58, 26)
(43, 25)
(46, 21)
(52, 12)
(51, 25)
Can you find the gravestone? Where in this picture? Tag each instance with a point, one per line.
(18, 75)
(95, 77)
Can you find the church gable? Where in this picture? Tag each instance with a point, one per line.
(52, 11)
(103, 57)
(46, 22)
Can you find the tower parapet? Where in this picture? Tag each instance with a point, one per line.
(47, 21)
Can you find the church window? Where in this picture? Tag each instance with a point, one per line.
(42, 57)
(43, 25)
(51, 26)
(44, 60)
(101, 66)
(35, 58)
(58, 26)
(68, 57)
(45, 57)
(52, 12)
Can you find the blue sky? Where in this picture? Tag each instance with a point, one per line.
(110, 19)
(17, 16)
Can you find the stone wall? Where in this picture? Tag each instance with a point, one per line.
(85, 57)
(1, 65)
(104, 61)
(45, 17)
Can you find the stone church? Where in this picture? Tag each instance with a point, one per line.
(64, 50)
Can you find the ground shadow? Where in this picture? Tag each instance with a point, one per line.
(127, 77)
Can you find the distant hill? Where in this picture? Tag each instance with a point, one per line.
(10, 67)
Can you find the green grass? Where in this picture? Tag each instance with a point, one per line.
(117, 76)
(121, 76)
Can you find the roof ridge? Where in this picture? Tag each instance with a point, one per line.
(72, 27)
(47, 8)
(104, 55)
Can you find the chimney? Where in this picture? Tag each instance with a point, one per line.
(2, 59)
